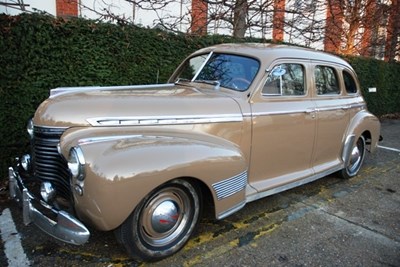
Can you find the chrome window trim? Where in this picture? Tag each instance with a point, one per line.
(163, 120)
(285, 96)
(202, 65)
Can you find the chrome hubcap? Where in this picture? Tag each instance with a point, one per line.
(165, 216)
(356, 157)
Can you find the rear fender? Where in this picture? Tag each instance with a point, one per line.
(361, 123)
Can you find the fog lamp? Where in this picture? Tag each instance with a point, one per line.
(26, 162)
(47, 191)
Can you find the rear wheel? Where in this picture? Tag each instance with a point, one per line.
(163, 222)
(356, 159)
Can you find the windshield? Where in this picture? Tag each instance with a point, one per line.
(230, 71)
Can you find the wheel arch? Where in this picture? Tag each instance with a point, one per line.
(366, 124)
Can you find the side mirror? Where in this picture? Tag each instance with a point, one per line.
(278, 72)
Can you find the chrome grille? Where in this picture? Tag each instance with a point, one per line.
(48, 165)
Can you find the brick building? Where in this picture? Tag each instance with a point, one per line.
(67, 8)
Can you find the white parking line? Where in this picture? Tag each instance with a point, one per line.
(390, 148)
(12, 242)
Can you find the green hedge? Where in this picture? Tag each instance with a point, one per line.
(384, 77)
(39, 52)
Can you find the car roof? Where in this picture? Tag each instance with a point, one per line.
(271, 52)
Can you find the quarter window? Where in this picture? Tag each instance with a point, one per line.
(326, 81)
(349, 83)
(285, 80)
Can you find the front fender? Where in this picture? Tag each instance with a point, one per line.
(122, 170)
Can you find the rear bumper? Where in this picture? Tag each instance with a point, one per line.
(65, 228)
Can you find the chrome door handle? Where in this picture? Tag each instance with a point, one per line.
(310, 111)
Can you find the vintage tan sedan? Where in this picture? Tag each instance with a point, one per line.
(235, 123)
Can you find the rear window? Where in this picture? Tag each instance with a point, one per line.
(326, 81)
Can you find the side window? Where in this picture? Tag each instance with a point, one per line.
(326, 81)
(285, 80)
(349, 83)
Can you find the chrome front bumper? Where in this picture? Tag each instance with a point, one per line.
(67, 228)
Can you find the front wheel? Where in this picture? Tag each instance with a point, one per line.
(356, 159)
(163, 222)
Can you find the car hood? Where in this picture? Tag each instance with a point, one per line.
(135, 105)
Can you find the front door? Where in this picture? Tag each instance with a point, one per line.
(283, 128)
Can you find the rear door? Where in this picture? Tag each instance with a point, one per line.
(332, 107)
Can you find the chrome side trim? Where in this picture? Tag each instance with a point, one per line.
(49, 129)
(343, 107)
(90, 140)
(68, 90)
(230, 211)
(348, 144)
(360, 105)
(163, 120)
(332, 108)
(282, 112)
(231, 186)
(309, 110)
(293, 185)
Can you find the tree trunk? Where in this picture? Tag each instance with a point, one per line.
(239, 18)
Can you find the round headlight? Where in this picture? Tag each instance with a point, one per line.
(29, 128)
(76, 163)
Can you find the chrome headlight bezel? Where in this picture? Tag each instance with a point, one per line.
(76, 163)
